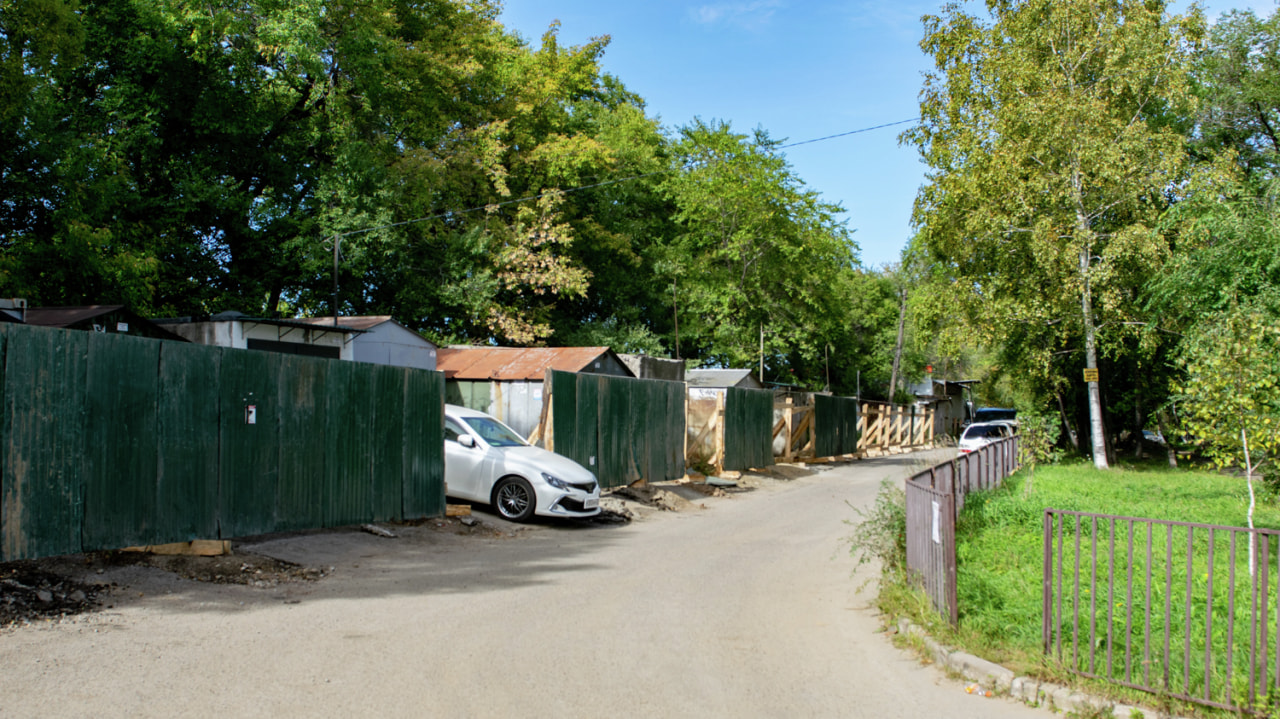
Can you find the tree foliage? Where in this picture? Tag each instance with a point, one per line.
(187, 158)
(1053, 137)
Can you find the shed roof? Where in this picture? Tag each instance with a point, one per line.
(232, 316)
(66, 316)
(514, 363)
(717, 377)
(366, 322)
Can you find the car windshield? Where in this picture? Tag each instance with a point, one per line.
(494, 432)
(989, 430)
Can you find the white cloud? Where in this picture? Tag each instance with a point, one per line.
(749, 15)
(901, 19)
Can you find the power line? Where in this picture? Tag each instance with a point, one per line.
(846, 134)
(495, 205)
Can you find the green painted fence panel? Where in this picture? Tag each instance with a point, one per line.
(677, 395)
(656, 430)
(613, 431)
(303, 388)
(249, 456)
(621, 428)
(44, 442)
(187, 426)
(564, 415)
(423, 465)
(587, 423)
(637, 436)
(826, 428)
(351, 421)
(121, 435)
(748, 428)
(835, 425)
(388, 443)
(110, 441)
(849, 430)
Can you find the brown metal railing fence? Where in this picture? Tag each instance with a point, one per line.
(1182, 609)
(934, 498)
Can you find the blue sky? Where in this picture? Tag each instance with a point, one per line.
(801, 69)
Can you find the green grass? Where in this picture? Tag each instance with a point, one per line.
(1000, 553)
(999, 543)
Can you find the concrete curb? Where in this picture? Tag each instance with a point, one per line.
(1003, 682)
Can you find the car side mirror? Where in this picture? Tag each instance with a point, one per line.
(466, 440)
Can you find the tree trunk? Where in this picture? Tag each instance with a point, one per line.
(1096, 428)
(1138, 423)
(897, 350)
(1066, 423)
(1164, 432)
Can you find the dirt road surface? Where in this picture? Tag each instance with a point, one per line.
(743, 609)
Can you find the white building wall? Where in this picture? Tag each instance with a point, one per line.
(236, 334)
(391, 344)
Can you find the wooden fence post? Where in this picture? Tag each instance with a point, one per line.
(718, 435)
(686, 428)
(788, 418)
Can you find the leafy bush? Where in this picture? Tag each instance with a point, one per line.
(880, 533)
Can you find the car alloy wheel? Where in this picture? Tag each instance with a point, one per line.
(514, 499)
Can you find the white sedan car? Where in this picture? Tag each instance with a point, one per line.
(487, 461)
(980, 434)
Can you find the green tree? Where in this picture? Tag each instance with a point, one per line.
(1229, 401)
(1052, 136)
(1238, 80)
(760, 254)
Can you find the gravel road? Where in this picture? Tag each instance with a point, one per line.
(744, 608)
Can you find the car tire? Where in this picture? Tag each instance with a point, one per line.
(514, 499)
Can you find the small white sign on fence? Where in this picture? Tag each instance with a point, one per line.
(937, 511)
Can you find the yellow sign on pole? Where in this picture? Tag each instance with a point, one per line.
(1091, 375)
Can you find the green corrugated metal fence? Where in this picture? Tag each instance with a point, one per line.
(110, 441)
(835, 425)
(748, 428)
(622, 429)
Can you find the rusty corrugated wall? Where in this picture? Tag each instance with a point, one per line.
(110, 441)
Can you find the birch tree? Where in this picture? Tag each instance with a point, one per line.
(1052, 132)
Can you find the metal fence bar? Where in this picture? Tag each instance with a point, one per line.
(1111, 590)
(1208, 620)
(1093, 594)
(934, 499)
(1128, 606)
(1146, 634)
(1186, 615)
(1231, 611)
(1212, 591)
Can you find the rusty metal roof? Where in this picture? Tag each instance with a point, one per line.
(514, 363)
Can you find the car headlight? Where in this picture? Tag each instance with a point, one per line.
(555, 481)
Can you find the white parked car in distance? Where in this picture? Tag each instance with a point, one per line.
(980, 434)
(487, 461)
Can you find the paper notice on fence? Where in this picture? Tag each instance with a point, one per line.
(937, 539)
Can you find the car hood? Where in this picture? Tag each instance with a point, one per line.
(536, 460)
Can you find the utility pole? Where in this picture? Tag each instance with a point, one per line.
(897, 350)
(761, 351)
(826, 355)
(336, 241)
(675, 313)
